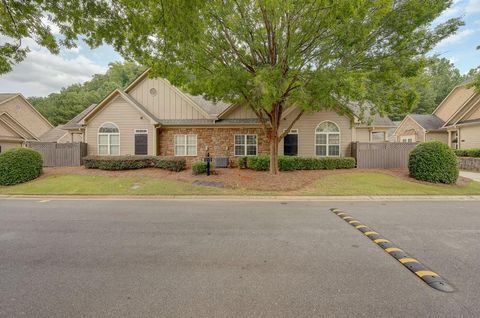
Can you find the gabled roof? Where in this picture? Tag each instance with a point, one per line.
(74, 123)
(5, 97)
(127, 98)
(53, 135)
(428, 122)
(18, 128)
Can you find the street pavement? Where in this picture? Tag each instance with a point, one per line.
(156, 258)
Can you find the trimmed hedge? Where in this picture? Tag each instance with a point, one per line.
(200, 167)
(242, 162)
(133, 162)
(433, 161)
(19, 165)
(475, 153)
(290, 163)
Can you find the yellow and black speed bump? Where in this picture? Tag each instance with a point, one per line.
(428, 276)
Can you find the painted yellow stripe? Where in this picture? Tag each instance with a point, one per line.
(340, 214)
(408, 260)
(347, 218)
(354, 221)
(370, 233)
(381, 241)
(360, 226)
(426, 273)
(393, 249)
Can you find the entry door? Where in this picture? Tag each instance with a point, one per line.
(141, 143)
(290, 145)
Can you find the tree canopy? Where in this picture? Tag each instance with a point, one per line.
(59, 108)
(270, 55)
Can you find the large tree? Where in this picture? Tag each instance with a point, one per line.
(270, 55)
(60, 107)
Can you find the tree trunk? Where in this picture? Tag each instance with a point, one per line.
(274, 151)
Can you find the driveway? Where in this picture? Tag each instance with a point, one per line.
(475, 176)
(143, 258)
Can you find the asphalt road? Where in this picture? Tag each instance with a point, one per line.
(233, 259)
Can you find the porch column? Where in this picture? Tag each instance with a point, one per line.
(154, 143)
(450, 139)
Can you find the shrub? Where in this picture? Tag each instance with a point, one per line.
(433, 161)
(258, 163)
(468, 153)
(171, 164)
(133, 162)
(19, 165)
(200, 167)
(242, 162)
(290, 163)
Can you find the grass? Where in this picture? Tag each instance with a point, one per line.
(352, 183)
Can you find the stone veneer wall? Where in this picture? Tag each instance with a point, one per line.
(469, 163)
(220, 141)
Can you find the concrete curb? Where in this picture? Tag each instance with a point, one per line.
(246, 198)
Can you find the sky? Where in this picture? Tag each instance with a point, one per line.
(42, 73)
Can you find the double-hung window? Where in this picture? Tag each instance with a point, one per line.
(185, 145)
(327, 139)
(109, 140)
(245, 145)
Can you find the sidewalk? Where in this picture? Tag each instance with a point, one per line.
(475, 176)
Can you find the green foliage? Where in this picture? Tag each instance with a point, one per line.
(433, 161)
(133, 162)
(199, 167)
(271, 55)
(34, 20)
(59, 108)
(19, 165)
(290, 163)
(242, 162)
(468, 153)
(171, 164)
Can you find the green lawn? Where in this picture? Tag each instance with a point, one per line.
(352, 183)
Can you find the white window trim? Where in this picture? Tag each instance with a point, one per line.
(327, 144)
(405, 138)
(245, 145)
(185, 145)
(108, 138)
(140, 131)
(378, 131)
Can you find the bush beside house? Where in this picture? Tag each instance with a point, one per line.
(474, 153)
(19, 165)
(288, 163)
(434, 162)
(133, 162)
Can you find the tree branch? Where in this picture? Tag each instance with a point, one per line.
(283, 134)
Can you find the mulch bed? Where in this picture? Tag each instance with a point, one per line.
(235, 178)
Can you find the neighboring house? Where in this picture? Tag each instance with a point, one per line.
(19, 121)
(152, 117)
(456, 121)
(59, 135)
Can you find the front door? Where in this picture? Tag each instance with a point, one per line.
(290, 145)
(141, 143)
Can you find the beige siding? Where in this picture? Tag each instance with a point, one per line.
(409, 127)
(453, 102)
(306, 126)
(6, 131)
(68, 138)
(470, 137)
(362, 134)
(167, 103)
(240, 112)
(9, 145)
(438, 136)
(25, 115)
(475, 113)
(127, 118)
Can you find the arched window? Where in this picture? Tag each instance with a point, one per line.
(108, 140)
(327, 139)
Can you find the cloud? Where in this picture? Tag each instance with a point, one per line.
(456, 38)
(473, 6)
(42, 73)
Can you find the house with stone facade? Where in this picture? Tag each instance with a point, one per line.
(153, 117)
(456, 121)
(20, 122)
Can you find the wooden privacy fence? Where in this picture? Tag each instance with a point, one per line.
(60, 155)
(383, 155)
